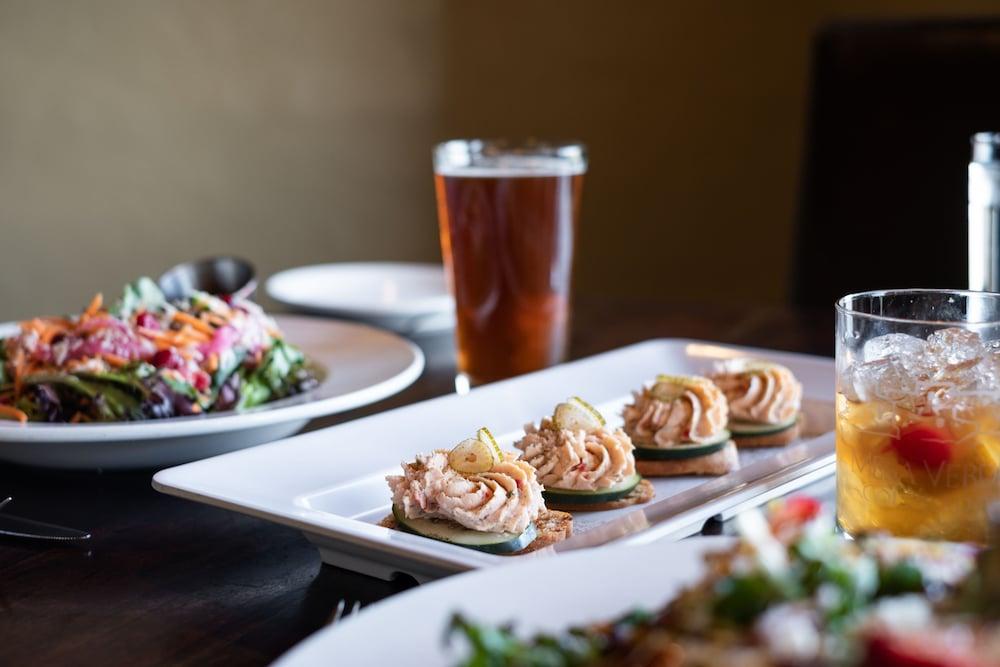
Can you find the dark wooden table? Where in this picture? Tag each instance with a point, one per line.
(169, 582)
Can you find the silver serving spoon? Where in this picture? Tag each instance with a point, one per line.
(216, 275)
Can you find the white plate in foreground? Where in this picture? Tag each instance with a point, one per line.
(539, 595)
(405, 297)
(360, 365)
(331, 483)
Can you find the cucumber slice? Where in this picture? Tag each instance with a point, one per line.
(448, 531)
(685, 451)
(751, 428)
(577, 497)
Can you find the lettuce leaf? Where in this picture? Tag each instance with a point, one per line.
(143, 294)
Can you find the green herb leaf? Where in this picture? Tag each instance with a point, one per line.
(229, 361)
(180, 386)
(899, 578)
(741, 599)
(130, 377)
(272, 378)
(492, 646)
(143, 294)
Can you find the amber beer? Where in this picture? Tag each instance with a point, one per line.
(508, 221)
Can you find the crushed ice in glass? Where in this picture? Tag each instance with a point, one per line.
(892, 344)
(952, 369)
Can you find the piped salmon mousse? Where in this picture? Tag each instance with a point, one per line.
(765, 401)
(582, 464)
(475, 495)
(678, 426)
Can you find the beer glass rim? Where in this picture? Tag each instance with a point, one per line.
(844, 306)
(570, 155)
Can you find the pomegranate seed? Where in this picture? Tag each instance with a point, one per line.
(147, 320)
(201, 380)
(167, 359)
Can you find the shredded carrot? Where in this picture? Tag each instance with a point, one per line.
(77, 418)
(51, 332)
(165, 339)
(212, 318)
(156, 335)
(196, 323)
(45, 329)
(115, 360)
(192, 335)
(213, 363)
(73, 364)
(95, 305)
(10, 412)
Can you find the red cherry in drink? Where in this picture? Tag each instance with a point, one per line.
(923, 445)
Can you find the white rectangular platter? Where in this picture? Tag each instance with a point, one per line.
(331, 483)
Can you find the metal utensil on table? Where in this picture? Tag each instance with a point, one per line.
(338, 612)
(216, 275)
(15, 526)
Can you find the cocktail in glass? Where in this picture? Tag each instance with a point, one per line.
(918, 413)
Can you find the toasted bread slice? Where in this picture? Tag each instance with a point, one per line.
(779, 439)
(551, 526)
(642, 493)
(718, 463)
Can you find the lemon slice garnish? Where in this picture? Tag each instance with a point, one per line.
(487, 438)
(577, 414)
(671, 387)
(743, 365)
(471, 456)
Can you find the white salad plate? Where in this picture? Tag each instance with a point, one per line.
(404, 297)
(356, 365)
(331, 485)
(537, 595)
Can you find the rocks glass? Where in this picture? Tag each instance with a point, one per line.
(918, 413)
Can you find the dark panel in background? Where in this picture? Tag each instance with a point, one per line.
(884, 195)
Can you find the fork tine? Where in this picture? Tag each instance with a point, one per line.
(356, 608)
(338, 612)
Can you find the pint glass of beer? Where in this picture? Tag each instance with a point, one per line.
(508, 218)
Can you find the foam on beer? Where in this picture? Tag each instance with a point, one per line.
(514, 166)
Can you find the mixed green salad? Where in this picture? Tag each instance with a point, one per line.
(790, 592)
(145, 357)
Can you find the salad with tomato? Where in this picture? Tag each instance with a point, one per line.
(145, 357)
(790, 592)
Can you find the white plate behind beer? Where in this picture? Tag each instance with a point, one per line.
(405, 297)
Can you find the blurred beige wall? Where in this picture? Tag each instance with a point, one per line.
(137, 134)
